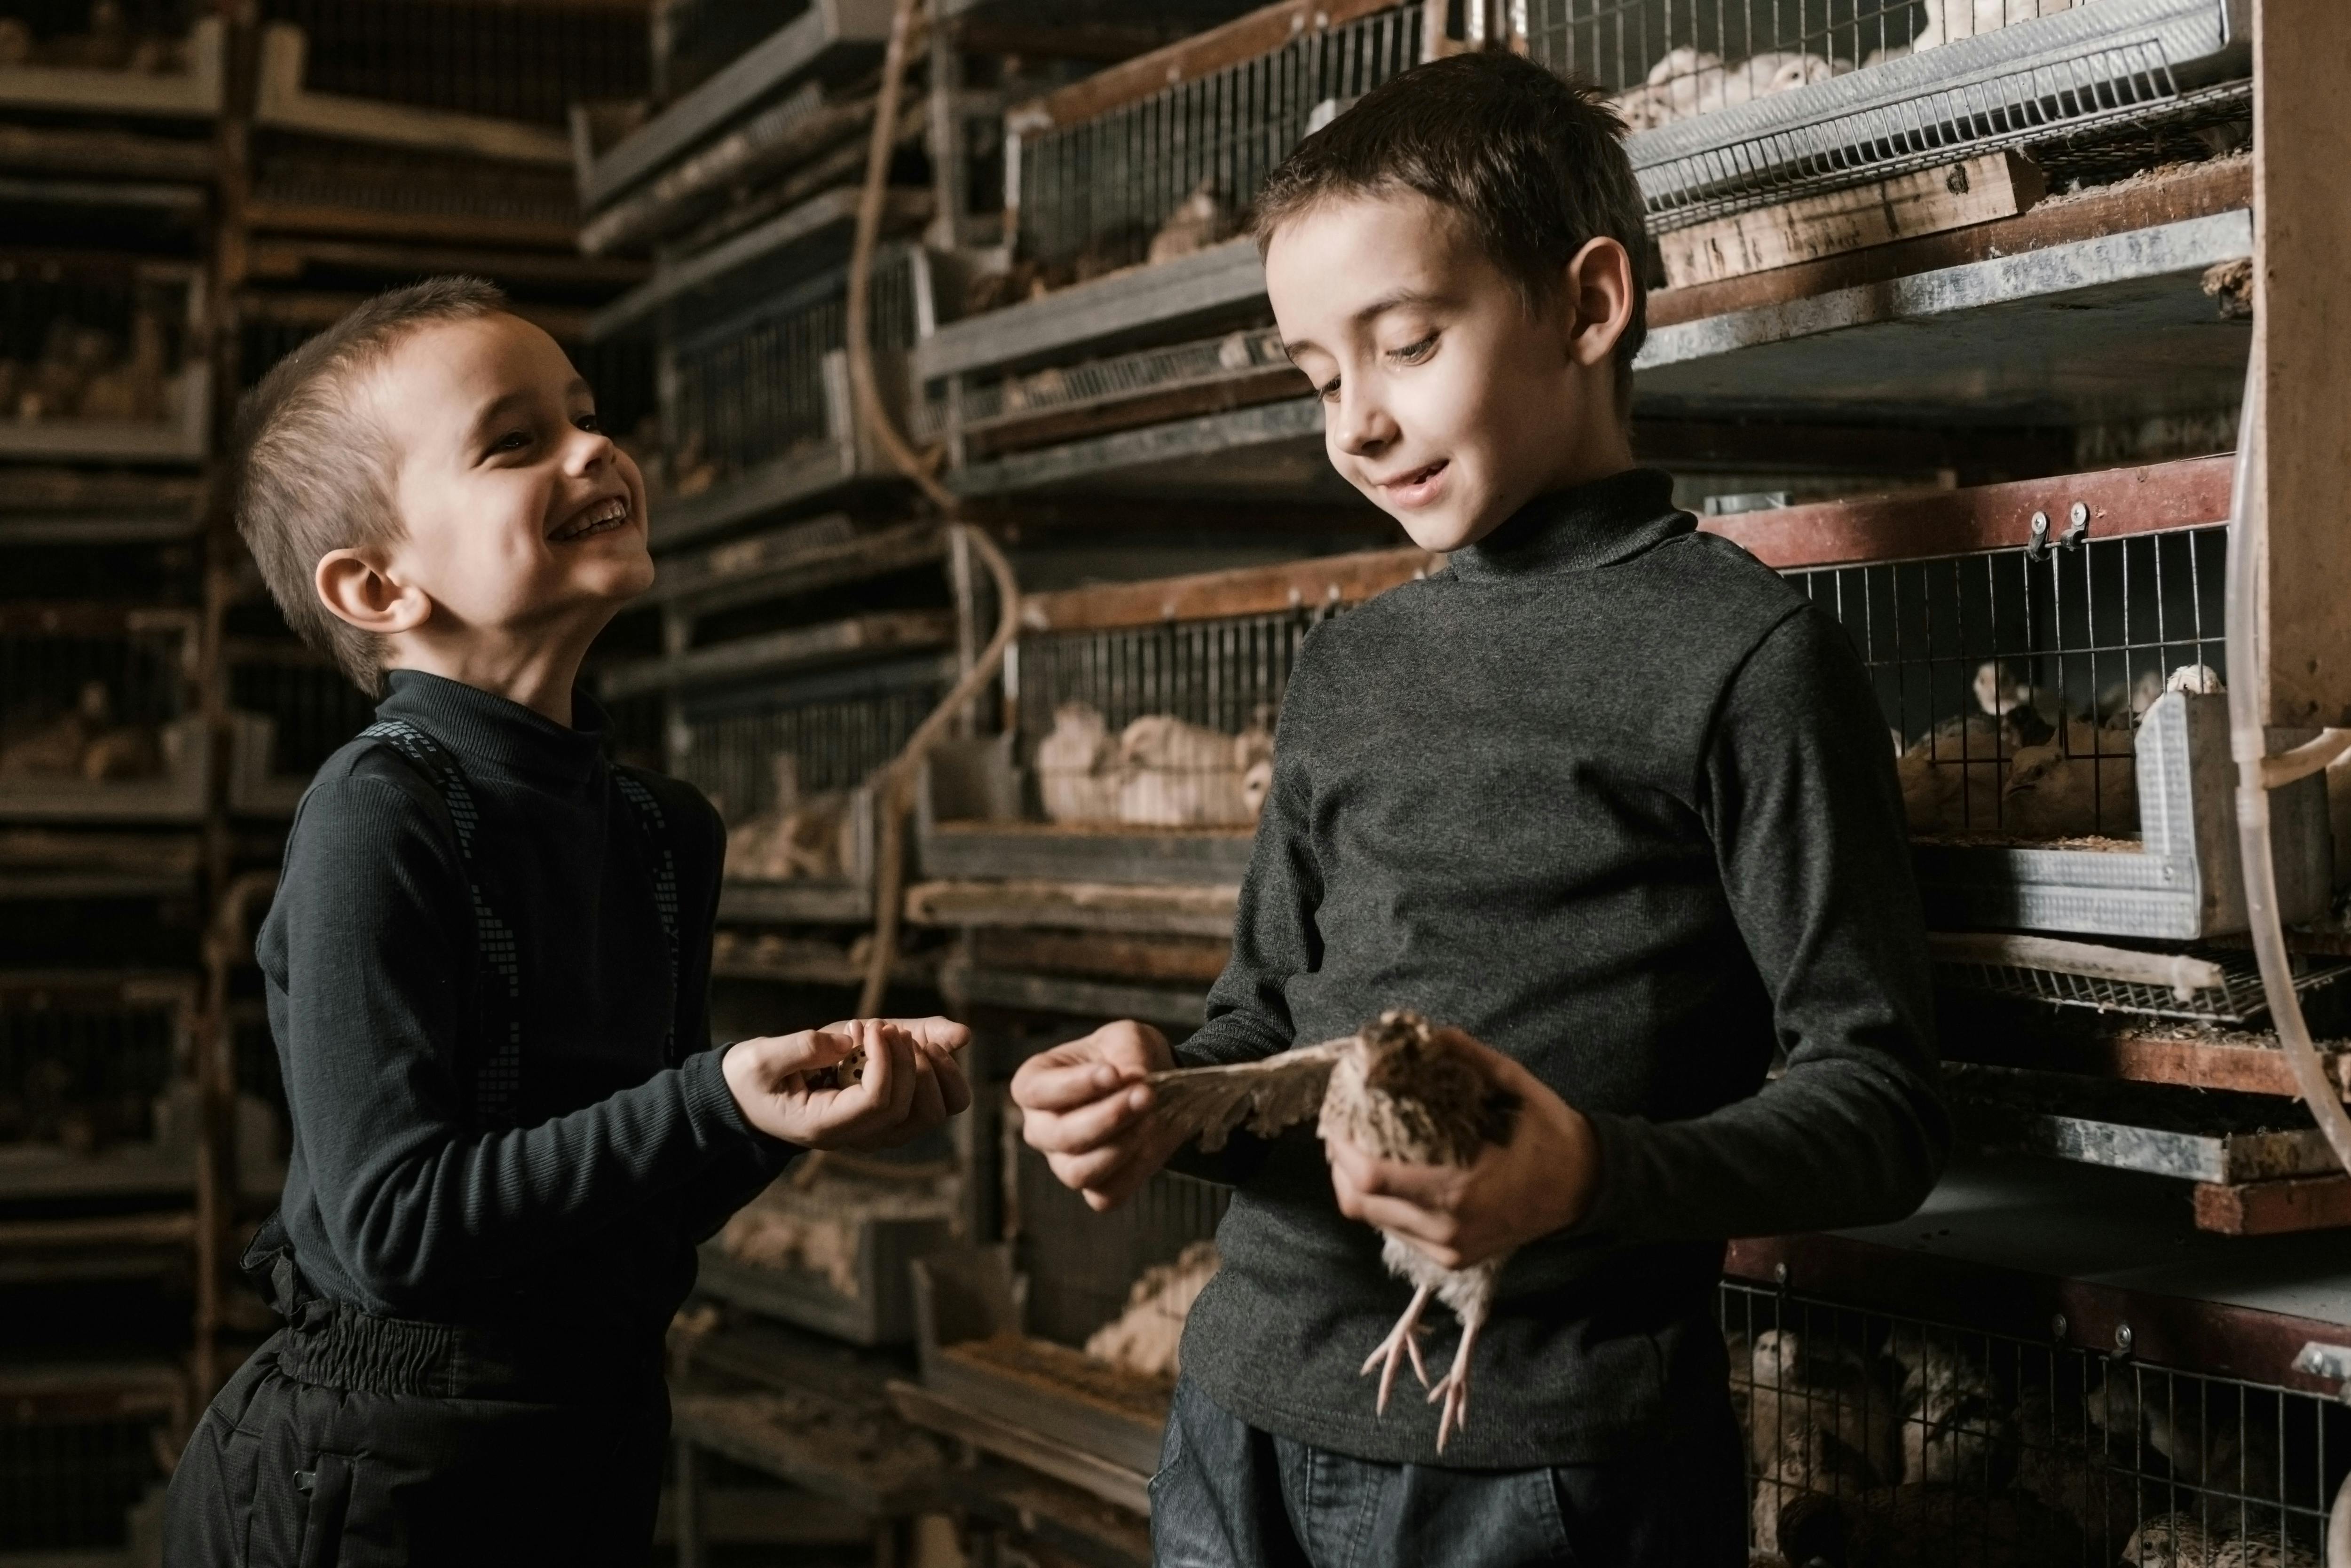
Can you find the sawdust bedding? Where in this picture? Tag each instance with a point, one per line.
(1068, 1371)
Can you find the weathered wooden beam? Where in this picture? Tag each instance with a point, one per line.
(1922, 201)
(281, 99)
(2274, 1207)
(1247, 590)
(2302, 343)
(800, 647)
(2187, 493)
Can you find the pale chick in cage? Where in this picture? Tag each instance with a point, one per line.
(797, 836)
(1199, 221)
(133, 389)
(1954, 1430)
(85, 742)
(1948, 21)
(1147, 1336)
(1819, 1418)
(1160, 771)
(1690, 81)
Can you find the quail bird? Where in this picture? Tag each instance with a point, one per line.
(1402, 1089)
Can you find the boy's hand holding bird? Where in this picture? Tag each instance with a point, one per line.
(910, 1083)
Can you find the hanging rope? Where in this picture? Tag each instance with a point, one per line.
(893, 785)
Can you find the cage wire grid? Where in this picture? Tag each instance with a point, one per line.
(143, 674)
(1081, 1264)
(731, 758)
(1626, 44)
(76, 1058)
(2240, 998)
(2073, 640)
(65, 1485)
(751, 387)
(2015, 1452)
(1099, 189)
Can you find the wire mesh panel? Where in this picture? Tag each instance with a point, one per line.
(751, 388)
(1094, 195)
(1881, 87)
(303, 171)
(65, 691)
(2012, 681)
(80, 1067)
(82, 339)
(1884, 1438)
(66, 1486)
(512, 62)
(1081, 1265)
(694, 40)
(1158, 726)
(733, 756)
(314, 709)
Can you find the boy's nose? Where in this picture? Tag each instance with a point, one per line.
(1360, 426)
(589, 450)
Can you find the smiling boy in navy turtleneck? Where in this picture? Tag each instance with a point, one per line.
(485, 969)
(1606, 794)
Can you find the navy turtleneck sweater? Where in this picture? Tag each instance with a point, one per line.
(587, 1212)
(1611, 795)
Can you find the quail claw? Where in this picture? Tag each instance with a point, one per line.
(1402, 1341)
(1453, 1388)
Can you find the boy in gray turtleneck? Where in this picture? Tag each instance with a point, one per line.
(485, 969)
(1605, 794)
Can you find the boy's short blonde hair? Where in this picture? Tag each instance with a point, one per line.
(313, 474)
(1530, 165)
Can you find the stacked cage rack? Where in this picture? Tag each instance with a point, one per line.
(102, 359)
(99, 714)
(84, 1454)
(95, 1072)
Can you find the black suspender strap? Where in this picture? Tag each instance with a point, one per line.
(497, 1075)
(654, 826)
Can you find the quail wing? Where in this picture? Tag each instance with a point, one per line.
(1208, 1102)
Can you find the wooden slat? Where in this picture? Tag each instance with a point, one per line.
(792, 562)
(2274, 1207)
(1112, 1483)
(2189, 493)
(1242, 38)
(384, 223)
(287, 257)
(801, 646)
(121, 154)
(114, 1231)
(1245, 591)
(1923, 201)
(2244, 1067)
(2301, 347)
(2198, 190)
(1017, 431)
(281, 99)
(1142, 909)
(1199, 959)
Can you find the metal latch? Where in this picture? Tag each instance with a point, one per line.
(2078, 528)
(2330, 1362)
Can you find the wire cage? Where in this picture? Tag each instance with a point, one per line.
(100, 360)
(66, 1486)
(1081, 1266)
(1905, 1440)
(84, 1061)
(296, 178)
(291, 711)
(1174, 170)
(1751, 101)
(764, 384)
(1165, 725)
(692, 40)
(510, 62)
(95, 714)
(1979, 659)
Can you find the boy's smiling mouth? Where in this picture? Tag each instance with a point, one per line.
(1416, 488)
(598, 518)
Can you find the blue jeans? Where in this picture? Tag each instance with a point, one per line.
(1231, 1496)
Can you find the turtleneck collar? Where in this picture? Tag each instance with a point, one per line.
(482, 727)
(1578, 529)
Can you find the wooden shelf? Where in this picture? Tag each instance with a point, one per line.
(800, 559)
(1142, 910)
(967, 984)
(191, 94)
(281, 100)
(776, 652)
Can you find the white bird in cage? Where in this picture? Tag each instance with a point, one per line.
(1401, 1089)
(1075, 772)
(1954, 1431)
(1147, 1337)
(1199, 221)
(1950, 20)
(1176, 774)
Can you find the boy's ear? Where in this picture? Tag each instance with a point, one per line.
(361, 592)
(1597, 287)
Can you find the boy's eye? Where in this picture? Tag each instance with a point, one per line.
(1329, 391)
(589, 422)
(1414, 353)
(512, 440)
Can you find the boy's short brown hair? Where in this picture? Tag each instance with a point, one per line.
(312, 473)
(1533, 166)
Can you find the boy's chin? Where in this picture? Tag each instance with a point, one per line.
(1439, 533)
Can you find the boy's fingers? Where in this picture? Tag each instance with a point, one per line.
(779, 1055)
(909, 1061)
(934, 1033)
(881, 1072)
(1090, 1125)
(1042, 1084)
(955, 1089)
(930, 1109)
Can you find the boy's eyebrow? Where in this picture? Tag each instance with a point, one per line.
(1395, 299)
(498, 406)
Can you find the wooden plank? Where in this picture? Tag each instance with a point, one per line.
(1198, 960)
(1116, 1484)
(384, 223)
(315, 308)
(867, 1458)
(790, 563)
(1017, 431)
(288, 258)
(1244, 590)
(967, 985)
(192, 94)
(1141, 909)
(172, 1229)
(830, 36)
(2166, 197)
(2246, 1064)
(1242, 38)
(281, 100)
(1926, 201)
(2274, 1207)
(799, 647)
(789, 132)
(2302, 147)
(119, 154)
(2191, 492)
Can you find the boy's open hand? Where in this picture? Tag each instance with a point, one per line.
(912, 1082)
(1083, 1107)
(1542, 1180)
